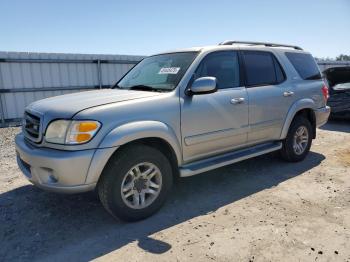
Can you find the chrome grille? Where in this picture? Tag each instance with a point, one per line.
(31, 127)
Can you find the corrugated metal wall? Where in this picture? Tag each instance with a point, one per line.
(27, 77)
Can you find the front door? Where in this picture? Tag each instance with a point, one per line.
(215, 123)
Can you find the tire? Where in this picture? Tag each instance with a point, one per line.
(123, 169)
(289, 151)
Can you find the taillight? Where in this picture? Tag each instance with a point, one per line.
(325, 93)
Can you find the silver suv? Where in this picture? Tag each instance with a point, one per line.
(174, 114)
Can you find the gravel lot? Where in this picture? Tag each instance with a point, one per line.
(261, 209)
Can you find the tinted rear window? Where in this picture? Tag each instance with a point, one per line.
(305, 65)
(262, 68)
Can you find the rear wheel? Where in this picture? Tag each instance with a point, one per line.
(298, 141)
(135, 182)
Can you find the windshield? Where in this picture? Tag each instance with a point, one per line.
(159, 72)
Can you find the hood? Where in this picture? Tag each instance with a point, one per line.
(66, 106)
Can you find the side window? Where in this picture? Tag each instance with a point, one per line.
(262, 68)
(305, 65)
(222, 65)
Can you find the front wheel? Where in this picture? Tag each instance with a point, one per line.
(135, 182)
(298, 141)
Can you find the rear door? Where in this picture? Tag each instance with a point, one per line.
(270, 95)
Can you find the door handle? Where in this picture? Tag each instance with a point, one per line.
(236, 101)
(288, 93)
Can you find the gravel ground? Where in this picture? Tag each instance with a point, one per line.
(261, 209)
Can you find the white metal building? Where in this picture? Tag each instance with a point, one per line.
(27, 77)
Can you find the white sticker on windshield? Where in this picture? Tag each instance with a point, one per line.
(169, 70)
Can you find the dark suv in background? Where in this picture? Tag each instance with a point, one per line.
(338, 79)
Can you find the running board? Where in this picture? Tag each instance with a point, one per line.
(227, 159)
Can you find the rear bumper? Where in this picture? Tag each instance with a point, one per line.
(322, 115)
(54, 170)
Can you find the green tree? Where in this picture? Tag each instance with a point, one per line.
(343, 57)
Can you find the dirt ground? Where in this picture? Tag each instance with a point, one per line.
(262, 209)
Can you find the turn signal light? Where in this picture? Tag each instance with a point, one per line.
(87, 126)
(80, 138)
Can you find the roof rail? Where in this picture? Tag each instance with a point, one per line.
(228, 42)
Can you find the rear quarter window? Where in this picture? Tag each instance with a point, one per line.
(305, 65)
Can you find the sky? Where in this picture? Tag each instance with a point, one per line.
(150, 26)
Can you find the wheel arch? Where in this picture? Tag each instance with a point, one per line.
(152, 133)
(304, 107)
(138, 130)
(160, 144)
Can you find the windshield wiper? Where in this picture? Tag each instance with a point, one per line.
(145, 88)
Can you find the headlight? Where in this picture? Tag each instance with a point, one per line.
(71, 132)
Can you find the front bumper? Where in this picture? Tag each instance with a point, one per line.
(55, 170)
(322, 115)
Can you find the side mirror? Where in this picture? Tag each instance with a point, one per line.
(203, 85)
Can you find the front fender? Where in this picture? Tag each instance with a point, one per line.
(142, 129)
(297, 106)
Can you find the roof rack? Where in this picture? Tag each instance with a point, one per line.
(228, 42)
